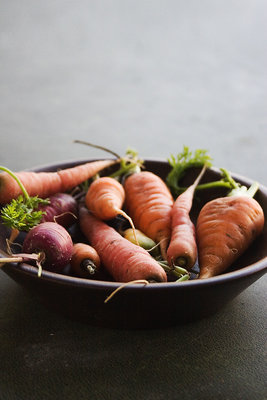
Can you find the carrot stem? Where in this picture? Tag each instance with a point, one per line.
(175, 269)
(89, 266)
(128, 165)
(228, 178)
(244, 191)
(97, 147)
(253, 189)
(237, 189)
(183, 278)
(210, 185)
(22, 187)
(228, 182)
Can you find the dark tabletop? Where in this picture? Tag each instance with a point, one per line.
(152, 75)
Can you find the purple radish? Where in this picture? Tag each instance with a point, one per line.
(53, 242)
(61, 209)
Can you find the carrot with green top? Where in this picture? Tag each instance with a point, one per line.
(182, 250)
(44, 184)
(226, 227)
(148, 200)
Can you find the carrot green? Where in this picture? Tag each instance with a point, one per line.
(22, 213)
(181, 163)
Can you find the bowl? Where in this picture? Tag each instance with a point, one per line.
(138, 305)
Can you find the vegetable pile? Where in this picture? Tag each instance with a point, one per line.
(132, 225)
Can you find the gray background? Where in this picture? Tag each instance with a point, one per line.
(152, 75)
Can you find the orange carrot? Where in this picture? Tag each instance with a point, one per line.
(85, 260)
(226, 227)
(182, 250)
(149, 204)
(105, 198)
(45, 184)
(124, 260)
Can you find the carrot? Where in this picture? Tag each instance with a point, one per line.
(124, 260)
(149, 203)
(149, 200)
(85, 260)
(105, 198)
(142, 190)
(45, 184)
(226, 227)
(182, 250)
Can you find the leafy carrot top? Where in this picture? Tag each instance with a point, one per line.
(181, 163)
(22, 213)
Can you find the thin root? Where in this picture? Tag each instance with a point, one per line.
(13, 235)
(62, 215)
(144, 281)
(153, 247)
(121, 212)
(98, 147)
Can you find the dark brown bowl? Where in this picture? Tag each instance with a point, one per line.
(145, 306)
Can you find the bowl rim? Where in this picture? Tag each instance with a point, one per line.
(61, 278)
(58, 278)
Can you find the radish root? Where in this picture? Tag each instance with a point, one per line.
(22, 257)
